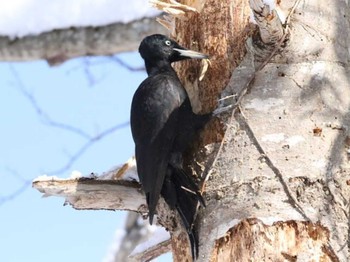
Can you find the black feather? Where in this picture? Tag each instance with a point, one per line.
(163, 125)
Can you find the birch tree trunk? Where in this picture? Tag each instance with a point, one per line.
(275, 168)
(278, 187)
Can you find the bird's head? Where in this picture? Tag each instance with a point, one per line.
(159, 47)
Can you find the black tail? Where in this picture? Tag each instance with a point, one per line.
(181, 192)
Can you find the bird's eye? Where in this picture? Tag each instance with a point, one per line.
(167, 42)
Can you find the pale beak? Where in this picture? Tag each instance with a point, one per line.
(190, 54)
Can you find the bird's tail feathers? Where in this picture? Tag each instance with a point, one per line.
(152, 203)
(181, 192)
(191, 232)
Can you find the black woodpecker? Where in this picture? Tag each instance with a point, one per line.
(163, 125)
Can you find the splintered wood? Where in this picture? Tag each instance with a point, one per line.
(251, 240)
(190, 22)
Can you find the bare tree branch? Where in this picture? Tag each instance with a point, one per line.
(44, 117)
(89, 62)
(137, 230)
(91, 193)
(47, 120)
(86, 146)
(125, 65)
(15, 193)
(112, 191)
(58, 46)
(153, 252)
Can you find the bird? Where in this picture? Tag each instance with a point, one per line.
(163, 126)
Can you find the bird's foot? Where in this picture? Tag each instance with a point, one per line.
(221, 110)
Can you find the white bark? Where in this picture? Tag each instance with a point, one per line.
(90, 193)
(284, 156)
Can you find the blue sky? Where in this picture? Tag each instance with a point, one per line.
(90, 94)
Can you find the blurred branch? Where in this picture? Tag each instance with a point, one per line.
(44, 117)
(86, 62)
(89, 62)
(90, 140)
(24, 185)
(17, 175)
(15, 193)
(125, 65)
(57, 46)
(137, 230)
(86, 146)
(153, 251)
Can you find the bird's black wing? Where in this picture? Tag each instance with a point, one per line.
(154, 118)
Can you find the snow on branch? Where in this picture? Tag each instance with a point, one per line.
(112, 191)
(58, 46)
(91, 193)
(117, 189)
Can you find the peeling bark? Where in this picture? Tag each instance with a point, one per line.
(269, 23)
(251, 240)
(90, 193)
(219, 29)
(283, 157)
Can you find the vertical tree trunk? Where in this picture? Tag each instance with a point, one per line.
(278, 186)
(220, 29)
